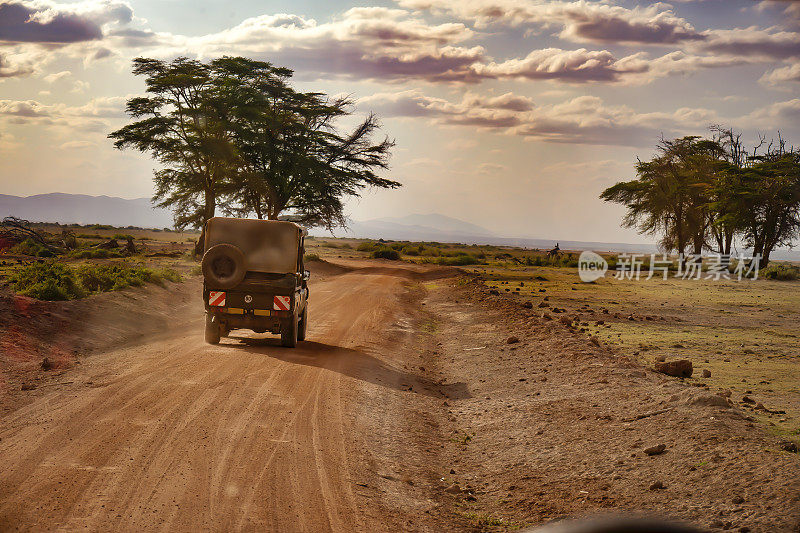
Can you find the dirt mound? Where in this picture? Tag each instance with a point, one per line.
(64, 332)
(323, 268)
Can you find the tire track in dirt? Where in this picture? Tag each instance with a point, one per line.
(178, 435)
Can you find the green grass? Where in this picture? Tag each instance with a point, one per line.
(52, 280)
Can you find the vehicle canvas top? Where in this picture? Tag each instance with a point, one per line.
(269, 246)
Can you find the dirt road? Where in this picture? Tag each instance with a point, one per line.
(178, 435)
(407, 409)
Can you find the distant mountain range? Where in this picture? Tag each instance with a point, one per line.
(430, 227)
(441, 228)
(83, 209)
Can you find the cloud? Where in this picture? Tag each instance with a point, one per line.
(9, 68)
(461, 144)
(753, 42)
(23, 108)
(491, 168)
(92, 116)
(581, 120)
(580, 21)
(54, 77)
(374, 42)
(785, 74)
(473, 110)
(398, 45)
(508, 101)
(59, 23)
(77, 145)
(577, 66)
(774, 115)
(587, 66)
(790, 10)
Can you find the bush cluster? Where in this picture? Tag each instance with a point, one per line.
(462, 259)
(32, 248)
(94, 253)
(781, 272)
(52, 280)
(384, 252)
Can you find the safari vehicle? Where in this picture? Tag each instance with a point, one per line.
(253, 278)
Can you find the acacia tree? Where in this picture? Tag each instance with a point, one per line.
(232, 134)
(184, 127)
(295, 163)
(670, 195)
(734, 158)
(764, 199)
(703, 193)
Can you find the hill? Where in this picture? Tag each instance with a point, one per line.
(84, 209)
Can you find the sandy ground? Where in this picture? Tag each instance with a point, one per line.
(405, 410)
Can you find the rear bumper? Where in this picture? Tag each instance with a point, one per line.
(254, 310)
(249, 320)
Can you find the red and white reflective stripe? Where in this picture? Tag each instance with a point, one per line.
(281, 303)
(216, 298)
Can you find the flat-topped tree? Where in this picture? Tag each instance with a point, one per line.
(232, 134)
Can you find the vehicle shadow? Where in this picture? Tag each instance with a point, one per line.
(352, 363)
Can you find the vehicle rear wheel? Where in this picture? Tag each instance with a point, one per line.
(301, 332)
(212, 329)
(289, 334)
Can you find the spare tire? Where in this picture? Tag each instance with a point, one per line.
(223, 266)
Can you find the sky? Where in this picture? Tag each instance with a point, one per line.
(510, 114)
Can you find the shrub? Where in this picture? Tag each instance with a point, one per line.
(32, 248)
(311, 257)
(94, 253)
(386, 253)
(781, 272)
(168, 274)
(412, 250)
(366, 247)
(56, 281)
(123, 236)
(47, 281)
(430, 252)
